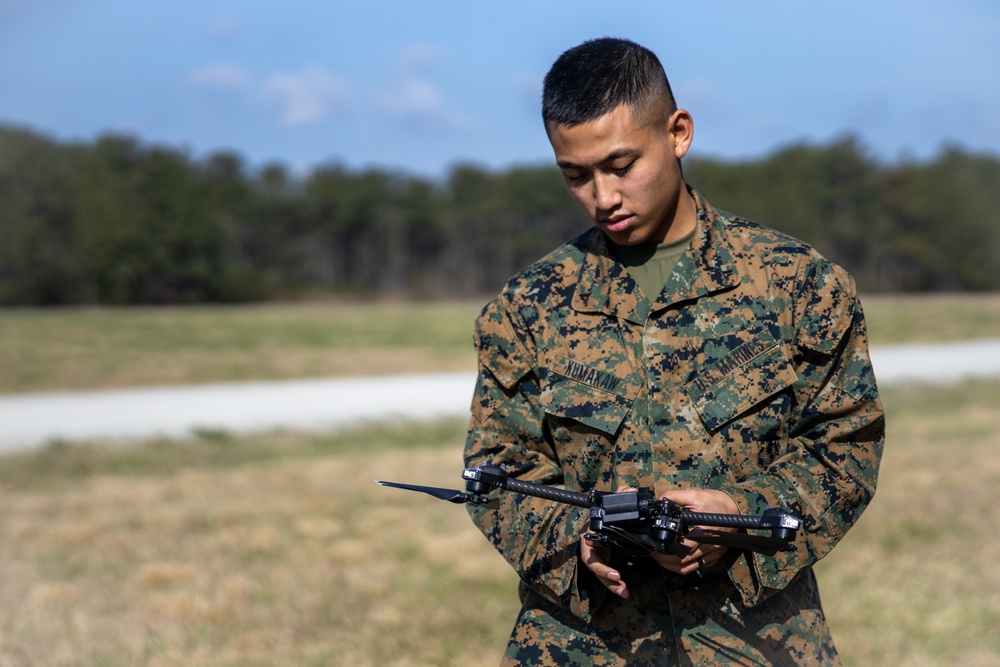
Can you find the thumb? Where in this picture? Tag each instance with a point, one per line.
(683, 497)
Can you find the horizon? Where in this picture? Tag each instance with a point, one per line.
(250, 168)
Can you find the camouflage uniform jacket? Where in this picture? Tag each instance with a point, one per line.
(748, 374)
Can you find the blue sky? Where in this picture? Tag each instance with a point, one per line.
(423, 85)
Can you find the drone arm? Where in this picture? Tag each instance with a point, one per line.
(738, 521)
(488, 475)
(770, 519)
(553, 493)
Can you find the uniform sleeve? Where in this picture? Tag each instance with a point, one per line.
(539, 539)
(828, 472)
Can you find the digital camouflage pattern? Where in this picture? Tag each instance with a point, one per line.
(748, 374)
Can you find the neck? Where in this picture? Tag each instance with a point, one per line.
(683, 219)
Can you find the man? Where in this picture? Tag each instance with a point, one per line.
(678, 348)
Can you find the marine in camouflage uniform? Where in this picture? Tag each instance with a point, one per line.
(748, 374)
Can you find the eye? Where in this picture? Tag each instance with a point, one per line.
(621, 171)
(574, 177)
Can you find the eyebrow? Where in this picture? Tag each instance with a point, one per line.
(610, 157)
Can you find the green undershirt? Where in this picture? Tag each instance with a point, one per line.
(650, 266)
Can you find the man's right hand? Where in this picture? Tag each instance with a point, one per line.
(596, 557)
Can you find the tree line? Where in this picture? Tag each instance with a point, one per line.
(117, 221)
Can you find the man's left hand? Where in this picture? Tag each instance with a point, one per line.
(702, 556)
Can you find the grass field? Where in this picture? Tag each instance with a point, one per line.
(279, 549)
(57, 349)
(931, 318)
(48, 350)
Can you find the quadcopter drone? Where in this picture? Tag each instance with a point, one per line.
(632, 522)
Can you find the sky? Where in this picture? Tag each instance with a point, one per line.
(421, 86)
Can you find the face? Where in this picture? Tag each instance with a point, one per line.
(626, 174)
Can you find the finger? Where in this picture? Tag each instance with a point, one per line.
(683, 497)
(612, 580)
(668, 561)
(703, 500)
(710, 552)
(607, 575)
(693, 567)
(701, 553)
(710, 559)
(672, 562)
(614, 583)
(701, 557)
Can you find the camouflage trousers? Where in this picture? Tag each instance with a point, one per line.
(674, 620)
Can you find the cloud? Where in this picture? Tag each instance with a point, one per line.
(221, 75)
(301, 98)
(305, 97)
(413, 97)
(311, 95)
(419, 104)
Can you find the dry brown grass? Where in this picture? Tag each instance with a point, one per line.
(300, 560)
(916, 582)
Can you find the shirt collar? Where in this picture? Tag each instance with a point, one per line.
(707, 266)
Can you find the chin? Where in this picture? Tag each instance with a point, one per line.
(629, 237)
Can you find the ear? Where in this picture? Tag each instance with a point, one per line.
(681, 129)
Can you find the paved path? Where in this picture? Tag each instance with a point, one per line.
(33, 419)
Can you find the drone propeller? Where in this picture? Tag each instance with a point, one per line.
(764, 544)
(451, 495)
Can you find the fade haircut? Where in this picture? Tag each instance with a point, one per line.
(594, 78)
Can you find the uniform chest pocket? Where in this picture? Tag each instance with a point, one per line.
(744, 378)
(597, 398)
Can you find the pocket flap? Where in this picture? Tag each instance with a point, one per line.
(589, 395)
(743, 378)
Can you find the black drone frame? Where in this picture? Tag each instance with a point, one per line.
(633, 522)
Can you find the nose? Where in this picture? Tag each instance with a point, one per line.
(606, 194)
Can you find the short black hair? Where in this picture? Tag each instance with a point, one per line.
(594, 78)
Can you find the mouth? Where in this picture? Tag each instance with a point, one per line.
(617, 224)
